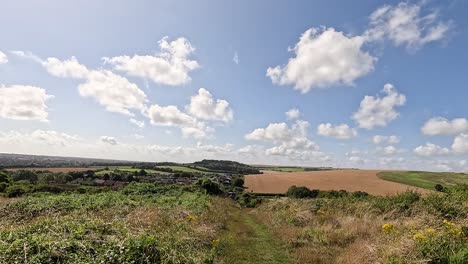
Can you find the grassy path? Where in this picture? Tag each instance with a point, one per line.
(247, 241)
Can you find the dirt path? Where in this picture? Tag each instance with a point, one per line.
(350, 180)
(247, 241)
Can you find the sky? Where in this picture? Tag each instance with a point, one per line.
(362, 84)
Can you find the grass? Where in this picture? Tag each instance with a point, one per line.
(141, 224)
(423, 179)
(181, 168)
(126, 169)
(248, 241)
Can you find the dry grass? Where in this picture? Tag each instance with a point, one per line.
(333, 235)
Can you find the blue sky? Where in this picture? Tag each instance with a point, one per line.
(73, 74)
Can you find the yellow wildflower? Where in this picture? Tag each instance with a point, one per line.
(191, 218)
(388, 228)
(430, 230)
(215, 243)
(420, 237)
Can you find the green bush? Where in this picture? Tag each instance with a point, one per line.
(209, 186)
(248, 199)
(17, 190)
(238, 182)
(301, 192)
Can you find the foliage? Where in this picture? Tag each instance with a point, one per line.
(301, 192)
(209, 186)
(227, 166)
(248, 199)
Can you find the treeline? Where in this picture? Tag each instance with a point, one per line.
(227, 166)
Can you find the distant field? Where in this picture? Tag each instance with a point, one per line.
(424, 179)
(182, 168)
(126, 168)
(68, 169)
(349, 180)
(290, 168)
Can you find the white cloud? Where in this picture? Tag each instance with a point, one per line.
(324, 57)
(291, 142)
(356, 160)
(235, 59)
(460, 144)
(172, 116)
(378, 139)
(342, 131)
(109, 140)
(45, 138)
(293, 113)
(138, 123)
(170, 67)
(404, 24)
(21, 102)
(443, 126)
(112, 91)
(431, 150)
(379, 111)
(227, 148)
(3, 58)
(203, 106)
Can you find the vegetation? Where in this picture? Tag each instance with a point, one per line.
(424, 179)
(357, 228)
(292, 168)
(227, 166)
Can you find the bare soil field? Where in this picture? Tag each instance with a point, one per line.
(65, 169)
(349, 180)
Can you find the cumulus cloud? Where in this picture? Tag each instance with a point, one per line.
(203, 106)
(407, 24)
(431, 150)
(172, 116)
(109, 140)
(324, 57)
(460, 144)
(170, 67)
(114, 92)
(342, 131)
(138, 123)
(46, 138)
(293, 113)
(378, 139)
(379, 111)
(21, 102)
(443, 126)
(291, 142)
(3, 58)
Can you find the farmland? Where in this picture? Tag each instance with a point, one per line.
(349, 180)
(424, 179)
(200, 213)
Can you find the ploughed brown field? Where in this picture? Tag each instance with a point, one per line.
(349, 180)
(55, 170)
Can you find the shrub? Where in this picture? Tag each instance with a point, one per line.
(302, 192)
(439, 187)
(16, 190)
(238, 182)
(209, 186)
(3, 186)
(247, 199)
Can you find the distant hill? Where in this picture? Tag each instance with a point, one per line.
(22, 160)
(227, 166)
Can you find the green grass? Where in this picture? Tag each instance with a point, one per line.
(424, 179)
(181, 168)
(143, 223)
(126, 169)
(248, 241)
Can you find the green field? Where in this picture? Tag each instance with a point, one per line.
(181, 168)
(291, 168)
(424, 179)
(126, 168)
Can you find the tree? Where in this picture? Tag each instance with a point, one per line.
(302, 192)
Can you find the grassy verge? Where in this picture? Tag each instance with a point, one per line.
(248, 241)
(423, 179)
